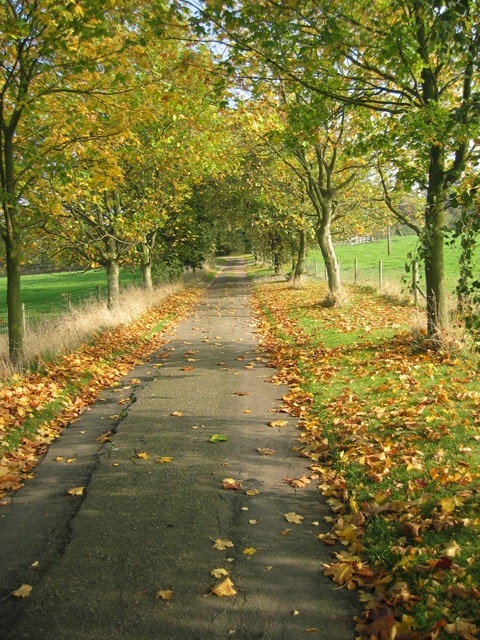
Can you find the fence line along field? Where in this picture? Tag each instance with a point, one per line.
(370, 263)
(51, 294)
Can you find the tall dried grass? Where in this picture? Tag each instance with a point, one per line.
(50, 337)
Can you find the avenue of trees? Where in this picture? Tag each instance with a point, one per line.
(155, 134)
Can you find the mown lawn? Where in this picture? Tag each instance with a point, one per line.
(49, 292)
(392, 431)
(369, 255)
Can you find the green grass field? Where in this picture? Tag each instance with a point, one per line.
(369, 255)
(49, 292)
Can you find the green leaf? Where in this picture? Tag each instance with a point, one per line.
(218, 437)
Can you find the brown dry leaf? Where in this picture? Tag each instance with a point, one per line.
(241, 393)
(278, 423)
(297, 483)
(252, 492)
(222, 544)
(164, 594)
(285, 532)
(224, 589)
(76, 491)
(105, 437)
(177, 413)
(293, 517)
(464, 628)
(23, 591)
(265, 451)
(231, 484)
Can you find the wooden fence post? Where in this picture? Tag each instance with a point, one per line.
(380, 276)
(355, 270)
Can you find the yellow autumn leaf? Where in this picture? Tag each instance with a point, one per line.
(219, 573)
(76, 491)
(249, 551)
(164, 594)
(23, 591)
(293, 517)
(221, 544)
(451, 549)
(165, 459)
(278, 423)
(252, 492)
(224, 589)
(177, 413)
(143, 455)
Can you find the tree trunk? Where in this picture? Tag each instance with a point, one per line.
(12, 238)
(325, 242)
(437, 307)
(146, 262)
(14, 301)
(113, 283)
(299, 267)
(112, 266)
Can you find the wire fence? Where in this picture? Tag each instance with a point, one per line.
(382, 277)
(54, 307)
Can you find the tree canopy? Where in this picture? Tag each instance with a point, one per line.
(158, 133)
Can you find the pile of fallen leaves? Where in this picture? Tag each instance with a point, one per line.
(392, 432)
(35, 408)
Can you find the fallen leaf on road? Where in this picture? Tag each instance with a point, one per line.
(143, 455)
(165, 459)
(252, 492)
(293, 517)
(231, 483)
(76, 491)
(218, 437)
(219, 573)
(265, 451)
(278, 423)
(105, 437)
(249, 551)
(225, 588)
(177, 413)
(297, 483)
(23, 591)
(221, 544)
(164, 594)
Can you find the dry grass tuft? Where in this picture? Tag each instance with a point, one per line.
(53, 336)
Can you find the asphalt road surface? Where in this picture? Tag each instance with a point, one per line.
(132, 558)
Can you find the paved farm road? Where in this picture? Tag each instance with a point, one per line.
(145, 526)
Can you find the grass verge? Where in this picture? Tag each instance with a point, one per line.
(392, 433)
